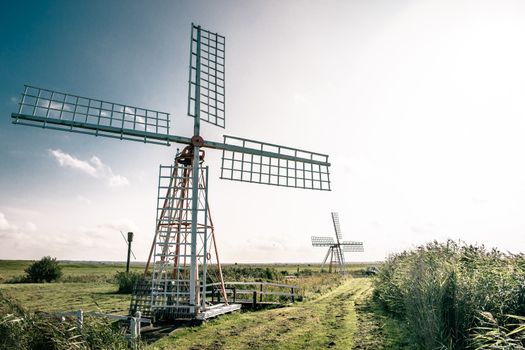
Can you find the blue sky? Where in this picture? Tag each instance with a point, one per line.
(418, 104)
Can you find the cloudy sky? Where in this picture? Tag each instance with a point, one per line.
(420, 105)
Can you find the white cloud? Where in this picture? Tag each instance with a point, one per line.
(83, 200)
(10, 230)
(14, 99)
(93, 167)
(30, 227)
(5, 225)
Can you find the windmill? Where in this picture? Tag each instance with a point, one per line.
(337, 248)
(184, 238)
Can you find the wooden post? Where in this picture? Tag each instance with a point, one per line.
(80, 318)
(254, 298)
(293, 296)
(261, 295)
(234, 294)
(133, 332)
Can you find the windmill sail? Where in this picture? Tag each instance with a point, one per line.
(206, 98)
(62, 111)
(322, 241)
(337, 226)
(265, 163)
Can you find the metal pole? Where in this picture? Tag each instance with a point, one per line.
(130, 239)
(195, 180)
(205, 238)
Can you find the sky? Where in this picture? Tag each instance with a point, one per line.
(419, 104)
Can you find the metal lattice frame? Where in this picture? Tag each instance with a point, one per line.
(322, 241)
(90, 116)
(206, 81)
(172, 268)
(276, 165)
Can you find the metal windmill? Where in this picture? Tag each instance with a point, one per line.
(184, 232)
(337, 248)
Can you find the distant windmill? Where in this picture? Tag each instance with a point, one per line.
(184, 239)
(336, 249)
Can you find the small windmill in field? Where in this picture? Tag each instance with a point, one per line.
(337, 248)
(184, 239)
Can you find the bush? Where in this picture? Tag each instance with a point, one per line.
(44, 270)
(440, 289)
(241, 273)
(127, 281)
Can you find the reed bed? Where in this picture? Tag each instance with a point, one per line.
(456, 296)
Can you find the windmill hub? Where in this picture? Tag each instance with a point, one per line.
(197, 141)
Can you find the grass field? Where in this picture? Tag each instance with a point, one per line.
(336, 312)
(338, 319)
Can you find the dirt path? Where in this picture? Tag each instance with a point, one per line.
(326, 322)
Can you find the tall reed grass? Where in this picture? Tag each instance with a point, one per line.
(443, 289)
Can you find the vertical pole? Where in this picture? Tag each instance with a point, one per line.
(80, 319)
(133, 332)
(205, 238)
(194, 221)
(195, 178)
(130, 239)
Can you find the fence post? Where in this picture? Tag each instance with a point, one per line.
(80, 319)
(134, 328)
(293, 296)
(138, 315)
(234, 294)
(254, 298)
(261, 295)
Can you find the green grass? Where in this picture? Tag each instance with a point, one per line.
(68, 296)
(89, 287)
(341, 318)
(336, 312)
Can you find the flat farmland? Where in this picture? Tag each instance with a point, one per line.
(332, 312)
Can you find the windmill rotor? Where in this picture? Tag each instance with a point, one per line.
(337, 247)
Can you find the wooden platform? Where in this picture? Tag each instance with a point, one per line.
(216, 310)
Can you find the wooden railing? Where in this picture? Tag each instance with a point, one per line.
(253, 293)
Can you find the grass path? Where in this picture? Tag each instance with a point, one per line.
(329, 321)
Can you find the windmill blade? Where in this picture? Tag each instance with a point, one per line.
(126, 241)
(337, 227)
(206, 96)
(349, 246)
(322, 241)
(265, 163)
(62, 111)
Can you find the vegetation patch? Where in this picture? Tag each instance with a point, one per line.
(444, 293)
(22, 330)
(326, 322)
